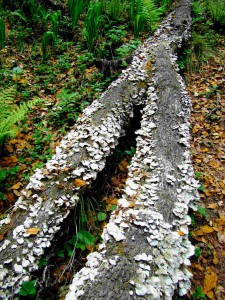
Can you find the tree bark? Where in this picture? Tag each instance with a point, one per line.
(157, 193)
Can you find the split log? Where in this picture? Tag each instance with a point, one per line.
(145, 247)
(55, 189)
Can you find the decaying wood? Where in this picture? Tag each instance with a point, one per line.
(157, 193)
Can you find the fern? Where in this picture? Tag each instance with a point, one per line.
(10, 113)
(145, 14)
(217, 11)
(113, 8)
(152, 14)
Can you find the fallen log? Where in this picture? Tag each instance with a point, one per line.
(145, 247)
(55, 189)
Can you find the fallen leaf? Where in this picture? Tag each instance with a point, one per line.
(16, 186)
(79, 182)
(215, 258)
(212, 205)
(33, 231)
(181, 233)
(210, 281)
(221, 237)
(220, 292)
(198, 267)
(204, 230)
(17, 193)
(210, 294)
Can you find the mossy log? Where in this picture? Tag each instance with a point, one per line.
(157, 192)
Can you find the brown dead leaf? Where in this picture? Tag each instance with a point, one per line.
(204, 230)
(197, 266)
(221, 236)
(210, 281)
(220, 292)
(17, 193)
(33, 231)
(2, 236)
(110, 200)
(79, 182)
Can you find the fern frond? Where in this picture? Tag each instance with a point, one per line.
(10, 113)
(152, 14)
(7, 99)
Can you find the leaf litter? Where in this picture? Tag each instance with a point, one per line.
(207, 90)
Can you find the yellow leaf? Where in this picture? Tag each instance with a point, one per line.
(210, 294)
(215, 258)
(204, 230)
(79, 182)
(111, 201)
(16, 186)
(212, 205)
(33, 231)
(198, 267)
(210, 281)
(180, 233)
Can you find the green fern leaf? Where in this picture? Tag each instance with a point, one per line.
(10, 113)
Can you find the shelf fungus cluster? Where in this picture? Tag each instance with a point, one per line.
(145, 248)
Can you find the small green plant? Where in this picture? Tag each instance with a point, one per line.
(197, 252)
(131, 152)
(80, 241)
(126, 49)
(101, 216)
(29, 288)
(55, 19)
(198, 175)
(2, 34)
(198, 294)
(201, 188)
(48, 38)
(92, 24)
(202, 211)
(76, 8)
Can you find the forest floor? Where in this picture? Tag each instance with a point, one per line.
(70, 74)
(206, 88)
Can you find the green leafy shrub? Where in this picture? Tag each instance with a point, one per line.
(10, 113)
(92, 24)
